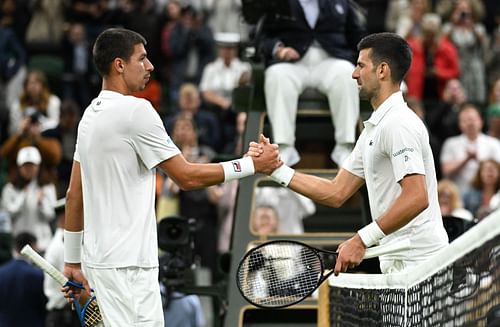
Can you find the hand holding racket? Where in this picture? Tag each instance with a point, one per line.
(86, 307)
(280, 273)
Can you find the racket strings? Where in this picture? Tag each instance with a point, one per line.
(92, 316)
(279, 275)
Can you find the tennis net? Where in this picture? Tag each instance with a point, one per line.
(460, 286)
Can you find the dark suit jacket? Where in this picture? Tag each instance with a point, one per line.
(338, 30)
(22, 301)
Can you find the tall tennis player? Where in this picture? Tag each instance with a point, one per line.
(392, 156)
(110, 226)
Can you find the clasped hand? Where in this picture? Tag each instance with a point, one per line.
(265, 155)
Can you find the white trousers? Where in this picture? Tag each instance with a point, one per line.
(127, 296)
(284, 82)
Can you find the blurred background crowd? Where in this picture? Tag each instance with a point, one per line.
(199, 49)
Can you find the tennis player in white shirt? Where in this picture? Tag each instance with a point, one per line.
(392, 156)
(110, 200)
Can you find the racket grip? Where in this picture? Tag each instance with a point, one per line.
(377, 251)
(74, 284)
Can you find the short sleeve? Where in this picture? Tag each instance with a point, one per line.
(149, 137)
(76, 155)
(354, 162)
(403, 144)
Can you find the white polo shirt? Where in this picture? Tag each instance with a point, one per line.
(121, 139)
(393, 144)
(455, 149)
(221, 78)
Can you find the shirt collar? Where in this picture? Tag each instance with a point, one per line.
(384, 108)
(107, 94)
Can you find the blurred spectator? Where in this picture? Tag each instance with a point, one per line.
(218, 80)
(456, 218)
(12, 74)
(445, 8)
(36, 95)
(65, 134)
(187, 46)
(418, 107)
(265, 220)
(5, 237)
(172, 14)
(292, 207)
(493, 62)
(209, 131)
(46, 26)
(493, 110)
(460, 155)
(29, 134)
(30, 203)
(409, 24)
(442, 117)
(316, 48)
(13, 59)
(435, 61)
(485, 185)
(182, 310)
(141, 17)
(396, 9)
(91, 13)
(16, 14)
(469, 36)
(59, 313)
(21, 285)
(224, 16)
(450, 201)
(199, 204)
(79, 74)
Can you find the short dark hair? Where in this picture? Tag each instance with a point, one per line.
(23, 239)
(114, 43)
(390, 48)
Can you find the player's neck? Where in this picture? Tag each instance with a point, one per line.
(383, 94)
(111, 84)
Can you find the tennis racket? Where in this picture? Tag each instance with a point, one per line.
(88, 312)
(281, 273)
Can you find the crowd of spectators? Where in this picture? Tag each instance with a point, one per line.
(197, 46)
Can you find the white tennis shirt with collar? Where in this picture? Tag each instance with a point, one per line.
(393, 144)
(121, 139)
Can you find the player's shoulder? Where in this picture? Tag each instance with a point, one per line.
(140, 104)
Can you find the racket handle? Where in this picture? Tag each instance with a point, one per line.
(377, 251)
(43, 264)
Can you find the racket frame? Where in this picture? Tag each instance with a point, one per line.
(28, 252)
(314, 250)
(369, 253)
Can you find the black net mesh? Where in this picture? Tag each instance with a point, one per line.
(464, 293)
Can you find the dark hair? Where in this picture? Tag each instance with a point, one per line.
(24, 238)
(389, 48)
(114, 43)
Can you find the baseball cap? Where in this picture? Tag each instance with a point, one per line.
(28, 154)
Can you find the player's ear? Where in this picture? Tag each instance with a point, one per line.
(383, 70)
(119, 65)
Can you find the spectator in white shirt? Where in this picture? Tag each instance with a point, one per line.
(218, 80)
(460, 155)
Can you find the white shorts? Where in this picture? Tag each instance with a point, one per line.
(127, 296)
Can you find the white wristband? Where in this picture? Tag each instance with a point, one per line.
(73, 246)
(283, 175)
(371, 234)
(239, 168)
